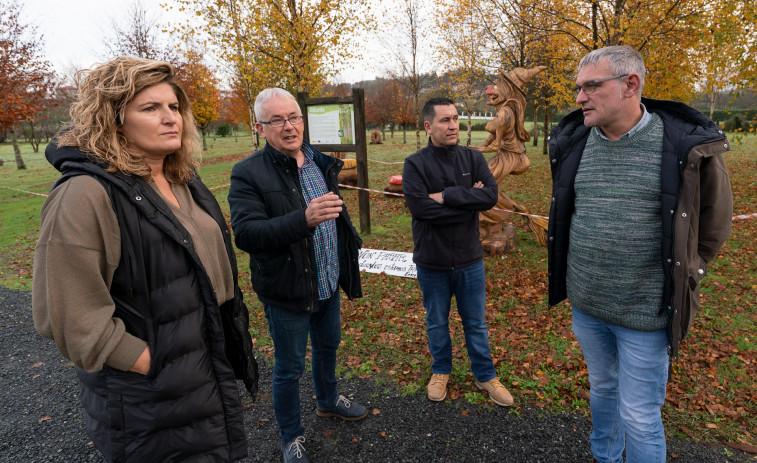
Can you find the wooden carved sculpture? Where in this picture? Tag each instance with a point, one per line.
(507, 138)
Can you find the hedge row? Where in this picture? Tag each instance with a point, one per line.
(476, 126)
(721, 115)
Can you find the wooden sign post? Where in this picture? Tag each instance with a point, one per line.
(337, 123)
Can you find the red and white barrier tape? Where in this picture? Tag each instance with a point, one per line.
(401, 195)
(386, 162)
(745, 216)
(219, 186)
(736, 217)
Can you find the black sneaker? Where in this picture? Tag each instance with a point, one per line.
(294, 451)
(344, 409)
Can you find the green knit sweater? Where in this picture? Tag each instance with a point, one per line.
(614, 256)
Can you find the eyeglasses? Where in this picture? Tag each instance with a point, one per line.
(591, 86)
(294, 120)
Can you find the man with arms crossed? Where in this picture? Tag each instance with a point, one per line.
(286, 212)
(641, 202)
(445, 186)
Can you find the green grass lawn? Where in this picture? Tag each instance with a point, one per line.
(713, 396)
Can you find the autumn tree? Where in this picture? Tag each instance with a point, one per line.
(405, 44)
(384, 102)
(136, 33)
(26, 78)
(731, 31)
(405, 111)
(201, 85)
(519, 33)
(234, 109)
(55, 115)
(665, 32)
(341, 89)
(293, 44)
(467, 54)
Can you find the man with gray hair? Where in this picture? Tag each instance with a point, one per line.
(286, 212)
(641, 203)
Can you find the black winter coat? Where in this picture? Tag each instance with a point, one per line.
(268, 219)
(187, 408)
(446, 236)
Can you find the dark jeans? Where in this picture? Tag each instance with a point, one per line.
(468, 285)
(289, 331)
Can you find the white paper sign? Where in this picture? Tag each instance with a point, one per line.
(390, 262)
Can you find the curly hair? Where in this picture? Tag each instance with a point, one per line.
(97, 114)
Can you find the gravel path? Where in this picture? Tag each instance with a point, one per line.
(40, 418)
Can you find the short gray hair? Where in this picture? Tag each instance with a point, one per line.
(266, 95)
(622, 59)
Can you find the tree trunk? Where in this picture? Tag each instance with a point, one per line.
(536, 125)
(383, 131)
(404, 134)
(594, 28)
(20, 164)
(547, 120)
(713, 101)
(391, 129)
(417, 130)
(204, 142)
(33, 139)
(251, 109)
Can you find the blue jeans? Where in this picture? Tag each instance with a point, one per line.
(628, 371)
(289, 332)
(468, 285)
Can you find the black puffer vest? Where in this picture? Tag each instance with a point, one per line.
(187, 408)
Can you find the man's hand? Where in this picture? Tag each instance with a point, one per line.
(142, 365)
(324, 208)
(478, 184)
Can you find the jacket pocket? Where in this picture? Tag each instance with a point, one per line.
(271, 264)
(690, 305)
(280, 276)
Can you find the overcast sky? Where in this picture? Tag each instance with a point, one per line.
(74, 31)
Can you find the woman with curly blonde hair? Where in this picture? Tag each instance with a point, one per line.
(135, 277)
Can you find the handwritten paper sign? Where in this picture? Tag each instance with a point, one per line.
(390, 262)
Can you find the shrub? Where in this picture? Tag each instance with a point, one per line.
(481, 126)
(721, 115)
(223, 130)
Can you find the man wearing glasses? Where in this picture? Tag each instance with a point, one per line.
(641, 203)
(286, 212)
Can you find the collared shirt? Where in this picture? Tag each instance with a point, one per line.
(325, 239)
(645, 118)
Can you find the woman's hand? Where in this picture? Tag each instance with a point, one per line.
(142, 365)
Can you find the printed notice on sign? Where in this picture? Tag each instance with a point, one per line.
(390, 262)
(331, 124)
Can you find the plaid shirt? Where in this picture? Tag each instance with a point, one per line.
(326, 253)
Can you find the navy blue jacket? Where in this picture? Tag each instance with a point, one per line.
(268, 219)
(446, 236)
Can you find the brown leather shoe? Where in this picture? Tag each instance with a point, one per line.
(437, 387)
(497, 392)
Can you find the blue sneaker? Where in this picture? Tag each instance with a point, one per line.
(294, 451)
(344, 409)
